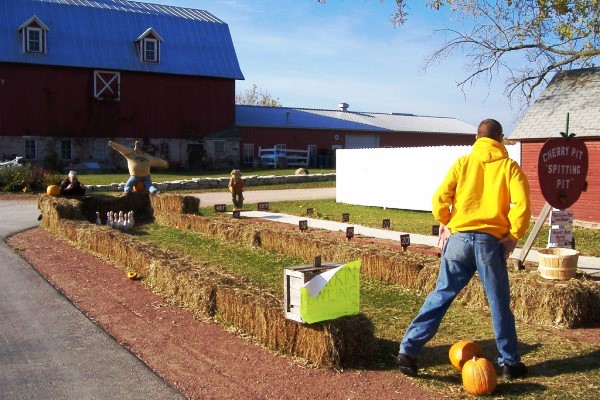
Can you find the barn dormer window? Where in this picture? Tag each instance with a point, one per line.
(149, 46)
(33, 35)
(150, 50)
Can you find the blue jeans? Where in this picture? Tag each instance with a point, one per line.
(465, 253)
(135, 179)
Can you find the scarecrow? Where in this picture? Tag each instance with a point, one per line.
(139, 164)
(236, 187)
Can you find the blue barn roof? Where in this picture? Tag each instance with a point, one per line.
(101, 34)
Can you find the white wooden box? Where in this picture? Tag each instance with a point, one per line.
(294, 278)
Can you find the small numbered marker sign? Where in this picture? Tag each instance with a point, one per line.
(220, 208)
(385, 224)
(303, 225)
(236, 214)
(435, 230)
(262, 206)
(405, 240)
(349, 232)
(310, 211)
(345, 217)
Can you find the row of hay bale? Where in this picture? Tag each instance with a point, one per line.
(569, 304)
(210, 291)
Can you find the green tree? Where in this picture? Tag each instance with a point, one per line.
(526, 40)
(256, 97)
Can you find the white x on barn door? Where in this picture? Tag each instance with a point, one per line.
(107, 84)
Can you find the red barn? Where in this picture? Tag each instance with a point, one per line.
(577, 93)
(75, 74)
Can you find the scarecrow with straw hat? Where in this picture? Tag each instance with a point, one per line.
(236, 187)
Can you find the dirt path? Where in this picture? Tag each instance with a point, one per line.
(200, 359)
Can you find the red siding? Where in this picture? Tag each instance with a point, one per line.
(587, 208)
(56, 101)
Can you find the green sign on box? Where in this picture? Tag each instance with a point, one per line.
(332, 294)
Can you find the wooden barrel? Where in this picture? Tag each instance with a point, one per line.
(558, 263)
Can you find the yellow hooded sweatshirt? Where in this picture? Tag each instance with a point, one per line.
(478, 191)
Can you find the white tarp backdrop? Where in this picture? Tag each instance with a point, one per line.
(403, 177)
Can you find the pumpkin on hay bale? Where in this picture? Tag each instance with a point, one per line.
(53, 190)
(139, 187)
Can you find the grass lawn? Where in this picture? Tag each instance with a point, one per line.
(559, 368)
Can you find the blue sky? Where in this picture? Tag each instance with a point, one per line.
(317, 55)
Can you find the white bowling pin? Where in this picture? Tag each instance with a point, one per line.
(131, 221)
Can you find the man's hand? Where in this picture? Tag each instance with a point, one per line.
(443, 236)
(509, 245)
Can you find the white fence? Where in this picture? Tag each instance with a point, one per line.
(283, 157)
(402, 178)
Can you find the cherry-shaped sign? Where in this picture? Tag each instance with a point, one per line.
(562, 170)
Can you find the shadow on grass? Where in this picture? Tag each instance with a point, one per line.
(577, 364)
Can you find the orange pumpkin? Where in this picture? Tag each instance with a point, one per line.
(132, 275)
(479, 376)
(463, 351)
(139, 187)
(53, 190)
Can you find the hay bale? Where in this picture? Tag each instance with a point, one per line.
(567, 304)
(208, 291)
(175, 204)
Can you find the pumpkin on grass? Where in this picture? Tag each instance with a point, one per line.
(463, 351)
(53, 190)
(479, 376)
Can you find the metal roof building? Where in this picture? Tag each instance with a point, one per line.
(103, 33)
(342, 119)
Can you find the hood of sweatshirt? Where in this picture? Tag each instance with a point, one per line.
(489, 150)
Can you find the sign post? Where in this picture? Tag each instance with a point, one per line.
(562, 173)
(561, 231)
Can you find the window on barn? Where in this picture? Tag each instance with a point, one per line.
(150, 50)
(165, 151)
(107, 85)
(248, 153)
(220, 149)
(33, 35)
(34, 40)
(149, 46)
(30, 149)
(66, 150)
(99, 150)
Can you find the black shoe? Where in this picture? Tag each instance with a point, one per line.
(514, 371)
(407, 365)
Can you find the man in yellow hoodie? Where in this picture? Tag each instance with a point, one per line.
(139, 164)
(479, 229)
